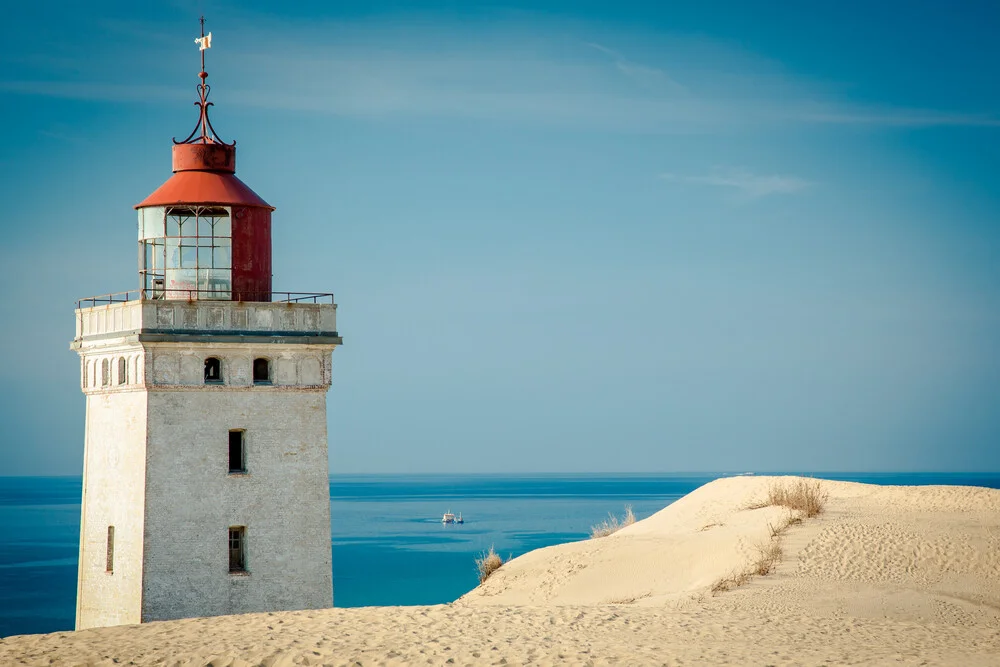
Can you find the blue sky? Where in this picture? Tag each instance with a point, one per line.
(563, 236)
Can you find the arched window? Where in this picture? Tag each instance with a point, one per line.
(105, 373)
(261, 371)
(213, 370)
(122, 377)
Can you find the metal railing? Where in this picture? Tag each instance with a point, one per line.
(160, 294)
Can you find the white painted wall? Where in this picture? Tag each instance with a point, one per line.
(113, 495)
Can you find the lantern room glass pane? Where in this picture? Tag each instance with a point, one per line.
(214, 284)
(151, 222)
(223, 228)
(182, 283)
(186, 252)
(159, 256)
(222, 257)
(173, 253)
(189, 257)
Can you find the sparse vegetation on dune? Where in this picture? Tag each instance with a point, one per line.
(613, 524)
(804, 499)
(768, 555)
(790, 519)
(806, 496)
(488, 563)
(803, 495)
(734, 580)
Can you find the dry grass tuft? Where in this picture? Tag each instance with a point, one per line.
(488, 563)
(768, 555)
(791, 519)
(735, 579)
(612, 524)
(806, 496)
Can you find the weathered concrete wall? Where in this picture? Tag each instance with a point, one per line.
(113, 493)
(211, 316)
(156, 462)
(192, 500)
(297, 367)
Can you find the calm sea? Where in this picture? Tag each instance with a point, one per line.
(389, 545)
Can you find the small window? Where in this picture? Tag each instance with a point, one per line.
(109, 565)
(105, 373)
(261, 371)
(121, 370)
(237, 549)
(213, 370)
(237, 452)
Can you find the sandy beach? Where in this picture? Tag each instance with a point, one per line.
(883, 575)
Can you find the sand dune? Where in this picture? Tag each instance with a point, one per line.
(900, 575)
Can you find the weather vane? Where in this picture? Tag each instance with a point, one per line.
(207, 133)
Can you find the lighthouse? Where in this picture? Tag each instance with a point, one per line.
(205, 481)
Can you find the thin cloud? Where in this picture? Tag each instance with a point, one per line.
(514, 73)
(97, 91)
(896, 118)
(644, 75)
(747, 183)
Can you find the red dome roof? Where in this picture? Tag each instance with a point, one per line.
(204, 187)
(203, 174)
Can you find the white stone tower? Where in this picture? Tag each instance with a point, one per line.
(205, 484)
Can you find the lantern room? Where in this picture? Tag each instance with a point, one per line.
(204, 234)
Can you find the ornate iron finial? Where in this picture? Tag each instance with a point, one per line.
(203, 132)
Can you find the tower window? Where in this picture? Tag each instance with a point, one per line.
(105, 373)
(237, 549)
(261, 371)
(237, 452)
(121, 370)
(213, 370)
(109, 565)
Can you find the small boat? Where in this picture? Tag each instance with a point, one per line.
(448, 518)
(459, 519)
